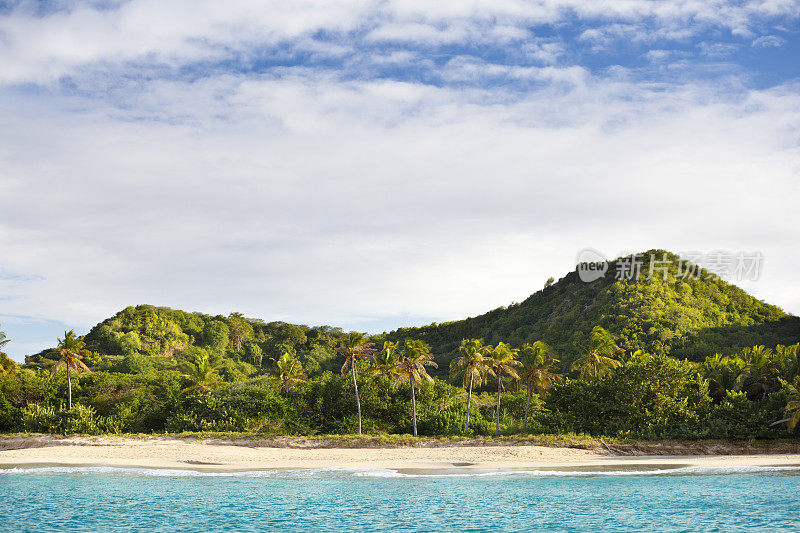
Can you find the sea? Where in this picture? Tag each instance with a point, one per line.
(687, 499)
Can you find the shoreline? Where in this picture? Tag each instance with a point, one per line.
(213, 455)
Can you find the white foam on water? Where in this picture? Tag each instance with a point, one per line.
(387, 473)
(684, 471)
(165, 472)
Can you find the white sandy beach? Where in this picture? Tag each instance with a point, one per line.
(197, 455)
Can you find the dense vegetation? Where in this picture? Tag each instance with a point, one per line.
(577, 357)
(684, 316)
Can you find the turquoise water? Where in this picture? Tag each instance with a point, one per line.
(105, 499)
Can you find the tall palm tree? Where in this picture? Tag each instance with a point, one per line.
(385, 360)
(289, 371)
(414, 356)
(71, 349)
(537, 359)
(502, 361)
(354, 347)
(472, 365)
(600, 358)
(202, 375)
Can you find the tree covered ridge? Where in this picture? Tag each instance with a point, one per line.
(575, 357)
(688, 317)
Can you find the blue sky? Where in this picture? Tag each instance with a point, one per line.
(377, 164)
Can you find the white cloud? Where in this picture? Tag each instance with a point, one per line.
(330, 194)
(768, 41)
(314, 200)
(36, 48)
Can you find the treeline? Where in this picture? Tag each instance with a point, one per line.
(308, 381)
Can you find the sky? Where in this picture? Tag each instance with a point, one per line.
(376, 164)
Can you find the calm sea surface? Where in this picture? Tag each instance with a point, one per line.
(105, 499)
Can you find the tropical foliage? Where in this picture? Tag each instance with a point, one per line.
(666, 358)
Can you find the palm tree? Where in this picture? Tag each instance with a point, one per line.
(385, 360)
(761, 371)
(537, 359)
(71, 349)
(723, 374)
(600, 358)
(6, 364)
(289, 371)
(353, 347)
(3, 339)
(792, 403)
(472, 365)
(202, 375)
(415, 355)
(502, 361)
(789, 357)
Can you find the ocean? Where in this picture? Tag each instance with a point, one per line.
(727, 499)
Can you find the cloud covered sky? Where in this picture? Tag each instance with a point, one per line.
(373, 164)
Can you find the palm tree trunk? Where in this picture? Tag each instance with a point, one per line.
(69, 389)
(497, 415)
(469, 399)
(527, 406)
(413, 406)
(358, 400)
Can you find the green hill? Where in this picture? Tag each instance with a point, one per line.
(155, 369)
(147, 335)
(687, 317)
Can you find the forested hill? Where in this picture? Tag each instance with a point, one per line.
(137, 338)
(690, 316)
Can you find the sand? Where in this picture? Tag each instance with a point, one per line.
(211, 456)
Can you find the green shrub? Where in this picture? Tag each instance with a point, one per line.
(10, 416)
(80, 419)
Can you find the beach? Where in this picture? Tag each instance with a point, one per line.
(213, 455)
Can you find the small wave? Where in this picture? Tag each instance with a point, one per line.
(681, 471)
(165, 472)
(335, 472)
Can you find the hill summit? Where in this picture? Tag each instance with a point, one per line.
(672, 306)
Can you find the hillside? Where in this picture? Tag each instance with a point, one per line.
(155, 369)
(686, 317)
(145, 336)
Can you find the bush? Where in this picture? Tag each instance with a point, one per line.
(80, 419)
(136, 364)
(41, 419)
(10, 416)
